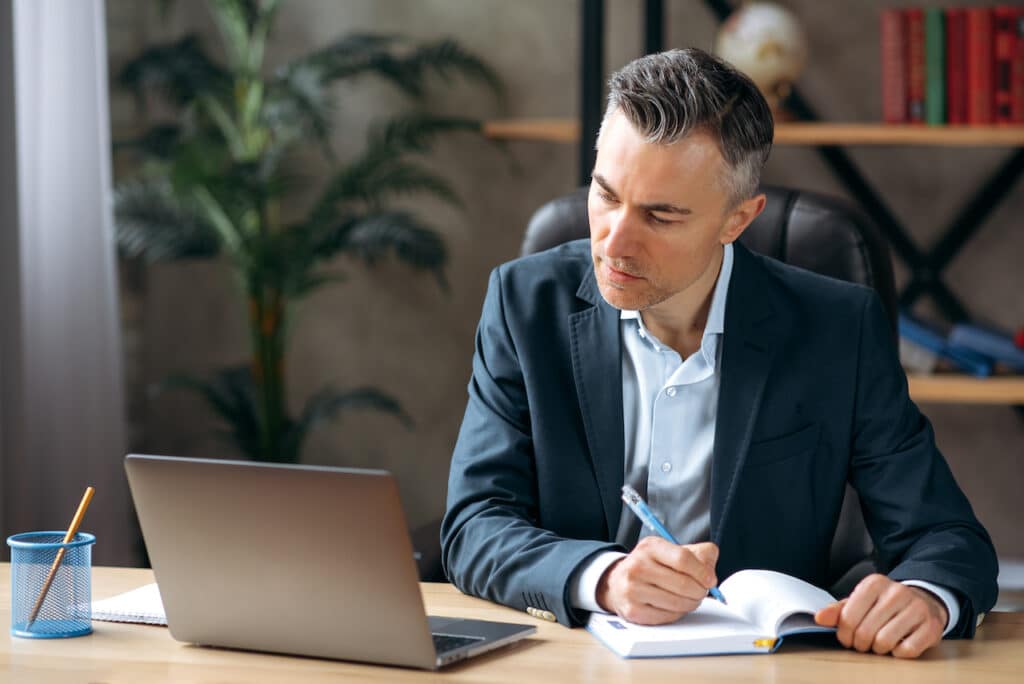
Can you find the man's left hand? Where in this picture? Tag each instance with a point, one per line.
(884, 616)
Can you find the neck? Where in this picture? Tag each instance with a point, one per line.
(679, 321)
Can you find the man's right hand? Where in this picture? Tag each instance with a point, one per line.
(658, 582)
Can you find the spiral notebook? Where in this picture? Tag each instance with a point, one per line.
(142, 605)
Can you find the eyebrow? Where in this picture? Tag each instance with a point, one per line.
(662, 207)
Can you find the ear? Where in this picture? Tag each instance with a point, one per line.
(740, 217)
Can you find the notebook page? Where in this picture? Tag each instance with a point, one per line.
(142, 605)
(767, 598)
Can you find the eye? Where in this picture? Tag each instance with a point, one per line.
(654, 218)
(605, 196)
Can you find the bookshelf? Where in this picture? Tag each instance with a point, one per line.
(812, 134)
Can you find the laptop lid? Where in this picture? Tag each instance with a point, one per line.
(292, 559)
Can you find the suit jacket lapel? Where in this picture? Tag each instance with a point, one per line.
(596, 344)
(753, 326)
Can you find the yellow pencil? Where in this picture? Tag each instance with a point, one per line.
(72, 531)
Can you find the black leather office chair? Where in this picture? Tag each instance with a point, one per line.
(813, 231)
(806, 229)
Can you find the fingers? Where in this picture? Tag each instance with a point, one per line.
(659, 581)
(857, 606)
(883, 616)
(829, 615)
(697, 561)
(890, 599)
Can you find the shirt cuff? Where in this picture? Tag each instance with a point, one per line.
(583, 586)
(946, 596)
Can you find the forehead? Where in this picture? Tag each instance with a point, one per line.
(655, 171)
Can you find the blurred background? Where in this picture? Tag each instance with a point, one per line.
(80, 382)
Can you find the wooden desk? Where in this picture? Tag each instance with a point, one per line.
(139, 654)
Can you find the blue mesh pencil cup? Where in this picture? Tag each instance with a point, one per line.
(67, 609)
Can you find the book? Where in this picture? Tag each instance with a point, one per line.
(894, 70)
(1004, 29)
(979, 65)
(914, 18)
(956, 66)
(142, 605)
(929, 337)
(1017, 71)
(935, 66)
(997, 344)
(764, 607)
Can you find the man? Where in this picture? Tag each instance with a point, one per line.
(740, 394)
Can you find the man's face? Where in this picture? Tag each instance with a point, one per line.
(658, 216)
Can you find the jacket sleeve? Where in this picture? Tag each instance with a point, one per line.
(922, 525)
(492, 544)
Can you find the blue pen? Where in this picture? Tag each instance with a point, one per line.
(647, 517)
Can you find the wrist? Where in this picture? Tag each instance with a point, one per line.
(603, 590)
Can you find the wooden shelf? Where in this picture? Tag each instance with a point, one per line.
(961, 389)
(548, 130)
(891, 134)
(568, 131)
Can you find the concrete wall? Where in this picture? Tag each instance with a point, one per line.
(393, 328)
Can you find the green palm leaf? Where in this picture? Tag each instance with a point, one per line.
(231, 394)
(298, 104)
(180, 71)
(370, 238)
(381, 172)
(374, 54)
(158, 142)
(449, 59)
(153, 223)
(418, 130)
(328, 403)
(341, 52)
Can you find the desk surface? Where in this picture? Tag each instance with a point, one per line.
(141, 654)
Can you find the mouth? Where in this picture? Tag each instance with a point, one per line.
(619, 277)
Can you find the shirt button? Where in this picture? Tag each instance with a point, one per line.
(671, 391)
(666, 466)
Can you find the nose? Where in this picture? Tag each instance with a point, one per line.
(620, 242)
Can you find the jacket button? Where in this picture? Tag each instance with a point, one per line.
(531, 611)
(547, 615)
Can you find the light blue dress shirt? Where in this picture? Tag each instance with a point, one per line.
(669, 407)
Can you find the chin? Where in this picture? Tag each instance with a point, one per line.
(622, 299)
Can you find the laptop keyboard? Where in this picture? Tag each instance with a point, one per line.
(449, 642)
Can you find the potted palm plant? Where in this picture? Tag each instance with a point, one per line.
(214, 181)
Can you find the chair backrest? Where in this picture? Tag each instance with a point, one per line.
(819, 233)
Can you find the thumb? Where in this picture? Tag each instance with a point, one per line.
(829, 615)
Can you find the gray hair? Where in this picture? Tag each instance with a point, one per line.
(669, 95)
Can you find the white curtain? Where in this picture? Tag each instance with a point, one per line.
(61, 395)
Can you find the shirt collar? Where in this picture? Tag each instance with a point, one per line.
(715, 325)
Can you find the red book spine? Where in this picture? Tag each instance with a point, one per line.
(979, 65)
(915, 64)
(1017, 72)
(1004, 30)
(894, 71)
(956, 66)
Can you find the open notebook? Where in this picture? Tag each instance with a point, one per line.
(763, 607)
(142, 605)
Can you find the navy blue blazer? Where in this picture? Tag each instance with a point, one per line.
(812, 396)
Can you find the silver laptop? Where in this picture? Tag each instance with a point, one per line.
(304, 560)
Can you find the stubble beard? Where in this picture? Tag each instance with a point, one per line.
(636, 296)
